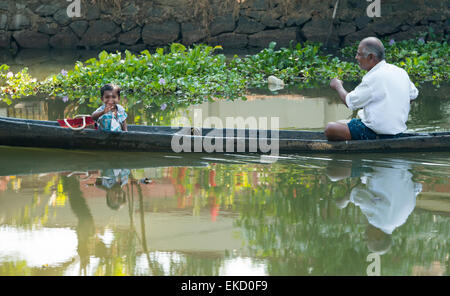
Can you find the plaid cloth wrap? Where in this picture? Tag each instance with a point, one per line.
(111, 122)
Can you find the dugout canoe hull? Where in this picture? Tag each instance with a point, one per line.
(48, 134)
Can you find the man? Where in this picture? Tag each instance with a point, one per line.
(384, 95)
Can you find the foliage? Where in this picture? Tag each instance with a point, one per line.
(178, 76)
(14, 86)
(423, 61)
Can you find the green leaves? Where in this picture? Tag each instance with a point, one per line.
(179, 76)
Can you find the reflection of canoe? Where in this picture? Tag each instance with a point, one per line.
(23, 161)
(48, 134)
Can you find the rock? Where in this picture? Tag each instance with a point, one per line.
(131, 37)
(155, 12)
(259, 4)
(384, 27)
(247, 26)
(192, 32)
(357, 36)
(345, 29)
(61, 17)
(155, 34)
(130, 10)
(270, 21)
(3, 21)
(79, 27)
(92, 13)
(66, 38)
(128, 24)
(48, 28)
(298, 20)
(229, 40)
(403, 35)
(4, 5)
(362, 21)
(99, 33)
(30, 39)
(281, 37)
(46, 10)
(19, 22)
(222, 24)
(317, 30)
(5, 39)
(137, 48)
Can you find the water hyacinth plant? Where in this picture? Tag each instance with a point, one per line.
(178, 76)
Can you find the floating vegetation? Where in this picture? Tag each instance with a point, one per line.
(178, 76)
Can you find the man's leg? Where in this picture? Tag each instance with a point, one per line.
(337, 131)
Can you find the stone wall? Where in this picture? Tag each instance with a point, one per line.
(140, 24)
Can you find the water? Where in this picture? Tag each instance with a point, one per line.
(113, 213)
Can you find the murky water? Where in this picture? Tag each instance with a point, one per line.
(115, 213)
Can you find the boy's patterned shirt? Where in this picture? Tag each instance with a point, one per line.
(109, 122)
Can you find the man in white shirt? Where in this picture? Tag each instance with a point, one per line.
(384, 95)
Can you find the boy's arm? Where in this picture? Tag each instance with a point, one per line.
(124, 126)
(96, 115)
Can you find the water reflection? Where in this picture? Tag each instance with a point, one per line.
(230, 215)
(308, 109)
(386, 195)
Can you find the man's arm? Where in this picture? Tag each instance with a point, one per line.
(336, 84)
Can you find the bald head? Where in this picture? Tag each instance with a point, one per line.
(373, 45)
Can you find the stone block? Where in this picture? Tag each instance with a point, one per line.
(31, 39)
(79, 27)
(3, 21)
(247, 26)
(192, 32)
(346, 28)
(48, 28)
(5, 39)
(156, 34)
(61, 17)
(130, 37)
(19, 22)
(99, 33)
(222, 24)
(46, 9)
(66, 38)
(229, 40)
(128, 24)
(317, 30)
(281, 37)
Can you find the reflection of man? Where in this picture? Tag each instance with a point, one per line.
(387, 196)
(112, 181)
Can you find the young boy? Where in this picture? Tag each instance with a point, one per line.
(111, 116)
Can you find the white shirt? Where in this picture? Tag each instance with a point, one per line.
(384, 94)
(389, 196)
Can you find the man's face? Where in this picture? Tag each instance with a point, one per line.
(364, 63)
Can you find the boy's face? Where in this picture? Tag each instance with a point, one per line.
(110, 97)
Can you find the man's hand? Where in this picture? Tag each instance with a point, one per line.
(335, 83)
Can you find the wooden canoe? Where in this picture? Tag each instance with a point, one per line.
(48, 134)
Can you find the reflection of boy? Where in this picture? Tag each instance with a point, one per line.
(112, 181)
(387, 200)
